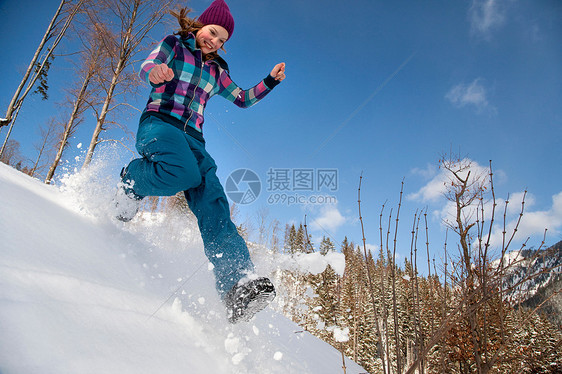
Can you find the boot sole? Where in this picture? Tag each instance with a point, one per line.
(256, 305)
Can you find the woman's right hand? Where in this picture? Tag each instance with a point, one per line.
(160, 74)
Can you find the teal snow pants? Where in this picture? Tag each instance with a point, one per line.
(174, 161)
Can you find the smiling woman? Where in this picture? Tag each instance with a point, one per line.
(185, 71)
(211, 38)
(203, 31)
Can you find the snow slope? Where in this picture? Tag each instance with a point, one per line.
(82, 293)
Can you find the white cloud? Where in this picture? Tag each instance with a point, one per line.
(432, 191)
(472, 94)
(515, 200)
(329, 219)
(429, 172)
(373, 248)
(436, 187)
(485, 16)
(532, 225)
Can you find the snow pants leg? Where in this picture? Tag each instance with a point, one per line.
(173, 161)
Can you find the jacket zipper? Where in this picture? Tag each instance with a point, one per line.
(193, 96)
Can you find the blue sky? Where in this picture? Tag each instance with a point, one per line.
(381, 88)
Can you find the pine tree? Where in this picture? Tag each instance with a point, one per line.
(296, 291)
(325, 287)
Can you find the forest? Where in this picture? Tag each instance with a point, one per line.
(481, 310)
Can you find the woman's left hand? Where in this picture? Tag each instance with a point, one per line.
(278, 72)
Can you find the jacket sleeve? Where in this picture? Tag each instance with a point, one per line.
(244, 98)
(162, 54)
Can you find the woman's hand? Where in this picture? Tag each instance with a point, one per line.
(278, 72)
(160, 74)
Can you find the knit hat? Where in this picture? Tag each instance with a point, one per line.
(218, 13)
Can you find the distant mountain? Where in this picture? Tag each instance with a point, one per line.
(544, 290)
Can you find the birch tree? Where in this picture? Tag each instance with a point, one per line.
(40, 62)
(85, 94)
(134, 20)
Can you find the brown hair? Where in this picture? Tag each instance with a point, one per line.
(191, 25)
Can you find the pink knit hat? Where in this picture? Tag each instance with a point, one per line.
(218, 13)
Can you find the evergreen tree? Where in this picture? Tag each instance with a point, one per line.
(325, 287)
(326, 246)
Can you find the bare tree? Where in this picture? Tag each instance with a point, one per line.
(135, 19)
(84, 96)
(261, 217)
(12, 154)
(47, 136)
(245, 228)
(275, 241)
(466, 319)
(371, 281)
(480, 316)
(40, 62)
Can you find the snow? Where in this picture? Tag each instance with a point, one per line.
(341, 335)
(83, 293)
(313, 263)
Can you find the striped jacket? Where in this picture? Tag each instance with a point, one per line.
(182, 101)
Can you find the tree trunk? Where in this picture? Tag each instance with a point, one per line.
(103, 114)
(42, 149)
(12, 106)
(17, 101)
(68, 128)
(131, 37)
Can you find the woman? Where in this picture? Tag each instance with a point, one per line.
(185, 71)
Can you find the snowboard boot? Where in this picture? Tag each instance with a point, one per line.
(244, 300)
(126, 204)
(125, 201)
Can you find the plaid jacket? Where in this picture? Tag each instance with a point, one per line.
(182, 101)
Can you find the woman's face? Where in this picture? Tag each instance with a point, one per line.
(211, 37)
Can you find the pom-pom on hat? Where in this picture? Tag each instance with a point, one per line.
(218, 13)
